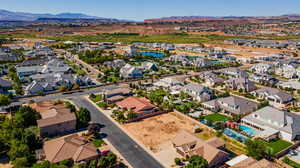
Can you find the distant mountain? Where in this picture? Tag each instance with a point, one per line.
(22, 16)
(214, 18)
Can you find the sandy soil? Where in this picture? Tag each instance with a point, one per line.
(242, 51)
(157, 130)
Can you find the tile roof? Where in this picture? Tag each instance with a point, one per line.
(137, 104)
(195, 146)
(52, 113)
(70, 147)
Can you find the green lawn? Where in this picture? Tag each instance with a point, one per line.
(216, 117)
(98, 142)
(291, 163)
(97, 98)
(278, 145)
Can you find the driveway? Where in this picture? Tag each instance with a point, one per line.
(128, 148)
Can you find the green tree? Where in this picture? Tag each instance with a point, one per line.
(18, 150)
(83, 118)
(177, 161)
(4, 100)
(108, 161)
(20, 162)
(26, 116)
(131, 115)
(196, 162)
(256, 148)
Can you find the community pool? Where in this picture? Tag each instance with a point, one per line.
(153, 54)
(235, 135)
(249, 131)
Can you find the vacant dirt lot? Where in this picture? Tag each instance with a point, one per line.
(154, 131)
(248, 52)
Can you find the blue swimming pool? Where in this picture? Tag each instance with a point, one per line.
(235, 135)
(216, 62)
(249, 131)
(153, 54)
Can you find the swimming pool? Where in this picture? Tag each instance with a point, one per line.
(248, 130)
(216, 62)
(235, 135)
(153, 54)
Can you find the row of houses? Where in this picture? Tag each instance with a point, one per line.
(189, 60)
(49, 77)
(265, 43)
(131, 71)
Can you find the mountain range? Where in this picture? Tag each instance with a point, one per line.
(22, 16)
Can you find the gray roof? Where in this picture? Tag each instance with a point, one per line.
(5, 83)
(237, 105)
(195, 87)
(267, 91)
(276, 119)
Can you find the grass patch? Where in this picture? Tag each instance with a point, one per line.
(97, 98)
(98, 142)
(234, 146)
(206, 134)
(291, 162)
(277, 146)
(216, 117)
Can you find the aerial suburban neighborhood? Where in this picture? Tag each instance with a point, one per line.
(81, 91)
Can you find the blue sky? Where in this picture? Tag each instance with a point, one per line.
(141, 9)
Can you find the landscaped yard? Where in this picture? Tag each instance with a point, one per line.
(96, 98)
(234, 146)
(278, 145)
(98, 142)
(216, 117)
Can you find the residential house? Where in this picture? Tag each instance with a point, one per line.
(231, 105)
(236, 73)
(118, 63)
(131, 51)
(262, 68)
(5, 85)
(289, 85)
(138, 105)
(211, 79)
(56, 119)
(9, 57)
(243, 161)
(287, 71)
(53, 66)
(73, 147)
(198, 92)
(52, 81)
(114, 95)
(188, 145)
(243, 84)
(273, 123)
(129, 71)
(149, 66)
(263, 79)
(275, 97)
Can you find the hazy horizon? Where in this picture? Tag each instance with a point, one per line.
(135, 10)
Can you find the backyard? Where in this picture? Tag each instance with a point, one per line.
(277, 146)
(216, 117)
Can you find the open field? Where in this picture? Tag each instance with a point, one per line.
(158, 130)
(248, 52)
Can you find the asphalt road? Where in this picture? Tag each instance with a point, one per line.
(128, 148)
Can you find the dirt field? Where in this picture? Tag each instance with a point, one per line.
(248, 52)
(157, 130)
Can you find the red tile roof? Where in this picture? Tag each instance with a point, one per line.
(137, 104)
